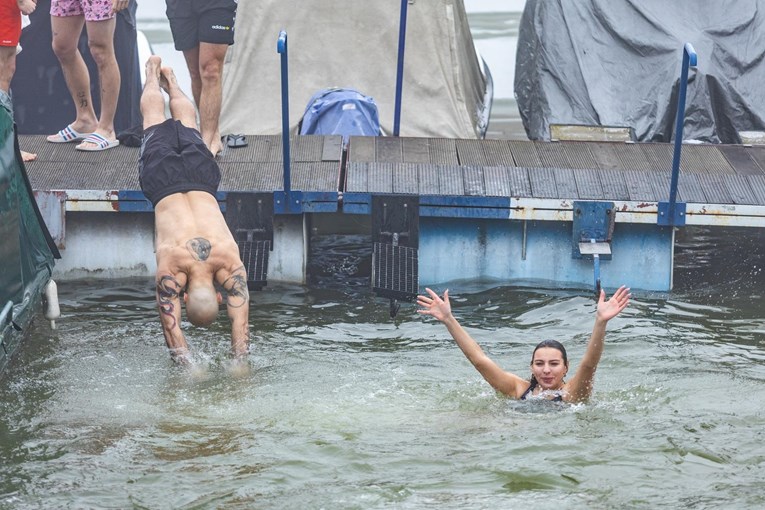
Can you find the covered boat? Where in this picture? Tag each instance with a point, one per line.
(617, 63)
(27, 250)
(446, 89)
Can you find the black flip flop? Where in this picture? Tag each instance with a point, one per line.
(235, 141)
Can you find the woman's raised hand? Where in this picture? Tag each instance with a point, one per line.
(435, 306)
(607, 310)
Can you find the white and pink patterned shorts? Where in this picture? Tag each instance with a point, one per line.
(94, 10)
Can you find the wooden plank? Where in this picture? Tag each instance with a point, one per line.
(689, 188)
(388, 150)
(332, 148)
(740, 158)
(380, 178)
(498, 153)
(427, 178)
(405, 179)
(496, 181)
(473, 180)
(470, 152)
(588, 185)
(542, 183)
(550, 155)
(450, 180)
(706, 159)
(565, 183)
(638, 188)
(604, 154)
(632, 157)
(578, 155)
(520, 184)
(613, 185)
(714, 189)
(757, 184)
(361, 148)
(443, 151)
(524, 154)
(356, 177)
(660, 182)
(739, 190)
(416, 150)
(658, 155)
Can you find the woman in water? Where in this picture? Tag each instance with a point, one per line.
(549, 363)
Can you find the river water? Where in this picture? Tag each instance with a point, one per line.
(345, 408)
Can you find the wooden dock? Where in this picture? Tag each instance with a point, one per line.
(454, 181)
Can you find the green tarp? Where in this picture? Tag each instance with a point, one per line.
(26, 248)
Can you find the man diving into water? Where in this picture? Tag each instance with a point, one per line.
(194, 246)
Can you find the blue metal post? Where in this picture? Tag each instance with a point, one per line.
(287, 202)
(400, 67)
(281, 47)
(674, 213)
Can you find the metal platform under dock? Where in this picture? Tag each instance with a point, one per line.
(497, 209)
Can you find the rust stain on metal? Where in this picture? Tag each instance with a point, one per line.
(643, 205)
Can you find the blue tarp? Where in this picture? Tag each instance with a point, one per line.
(340, 111)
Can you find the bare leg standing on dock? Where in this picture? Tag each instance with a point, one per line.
(10, 32)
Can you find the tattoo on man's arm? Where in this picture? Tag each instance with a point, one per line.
(199, 247)
(236, 287)
(168, 291)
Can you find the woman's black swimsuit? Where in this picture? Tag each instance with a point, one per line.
(534, 383)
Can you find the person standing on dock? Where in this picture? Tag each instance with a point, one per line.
(95, 133)
(203, 30)
(194, 246)
(549, 361)
(10, 32)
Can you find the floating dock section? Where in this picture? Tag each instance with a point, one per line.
(569, 213)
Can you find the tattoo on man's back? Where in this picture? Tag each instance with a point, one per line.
(199, 247)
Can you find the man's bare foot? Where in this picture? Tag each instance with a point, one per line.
(168, 79)
(26, 157)
(153, 66)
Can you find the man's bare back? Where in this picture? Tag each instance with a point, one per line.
(194, 247)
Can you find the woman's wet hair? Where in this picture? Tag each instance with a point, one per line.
(554, 344)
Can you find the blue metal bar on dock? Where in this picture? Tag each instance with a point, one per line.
(672, 209)
(288, 202)
(400, 67)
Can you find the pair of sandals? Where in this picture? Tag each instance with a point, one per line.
(69, 134)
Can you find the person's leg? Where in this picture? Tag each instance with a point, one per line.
(152, 100)
(101, 44)
(181, 107)
(7, 67)
(192, 63)
(211, 71)
(66, 34)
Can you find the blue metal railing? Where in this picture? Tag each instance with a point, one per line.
(288, 202)
(400, 67)
(672, 213)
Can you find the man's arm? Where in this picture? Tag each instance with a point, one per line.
(169, 304)
(238, 307)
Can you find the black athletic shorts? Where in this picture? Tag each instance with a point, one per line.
(174, 159)
(195, 21)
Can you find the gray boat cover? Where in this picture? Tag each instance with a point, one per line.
(355, 45)
(618, 63)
